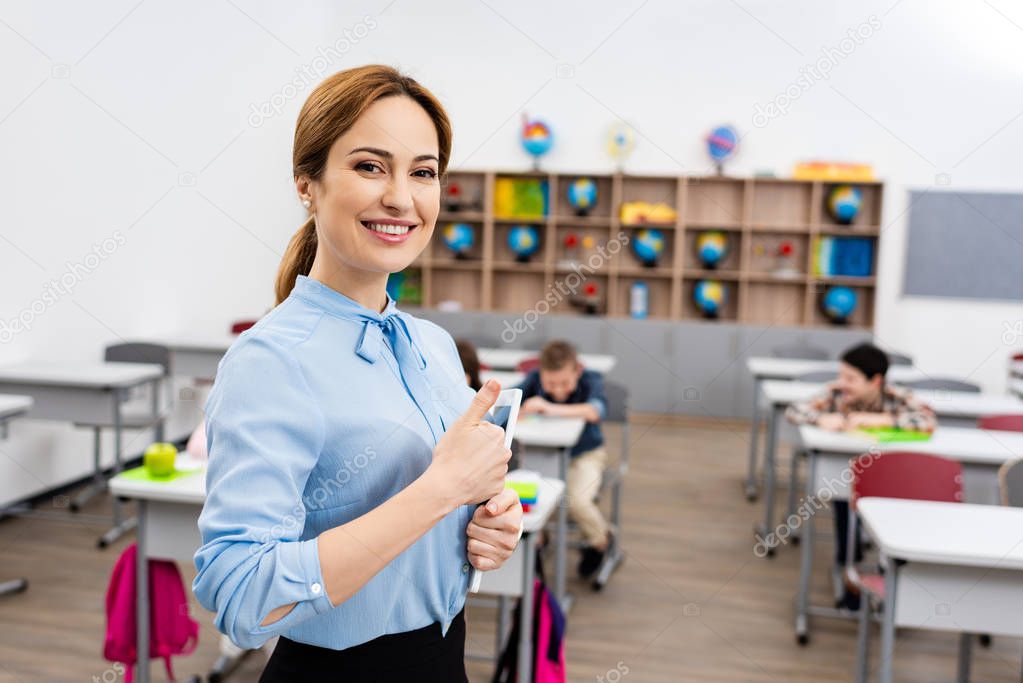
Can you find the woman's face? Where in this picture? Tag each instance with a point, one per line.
(377, 200)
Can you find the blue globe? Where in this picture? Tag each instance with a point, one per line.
(648, 244)
(710, 297)
(838, 304)
(459, 238)
(721, 143)
(582, 195)
(523, 240)
(711, 247)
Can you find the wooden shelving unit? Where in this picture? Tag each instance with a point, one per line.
(756, 214)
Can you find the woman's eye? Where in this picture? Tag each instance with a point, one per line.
(426, 173)
(369, 166)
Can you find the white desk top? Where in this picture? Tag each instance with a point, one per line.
(188, 489)
(965, 444)
(80, 375)
(508, 359)
(548, 432)
(548, 495)
(508, 378)
(767, 367)
(12, 405)
(946, 533)
(947, 403)
(211, 344)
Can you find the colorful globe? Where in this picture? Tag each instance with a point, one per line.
(648, 244)
(710, 297)
(582, 195)
(838, 304)
(523, 240)
(459, 238)
(711, 248)
(844, 203)
(537, 137)
(621, 140)
(722, 143)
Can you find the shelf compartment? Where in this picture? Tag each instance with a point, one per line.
(517, 291)
(779, 202)
(731, 261)
(599, 212)
(463, 286)
(630, 259)
(503, 252)
(869, 215)
(765, 255)
(464, 193)
(862, 316)
(658, 297)
(440, 254)
(775, 302)
(714, 201)
(730, 310)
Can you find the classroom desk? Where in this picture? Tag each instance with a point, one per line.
(1016, 368)
(981, 452)
(168, 514)
(12, 406)
(508, 378)
(86, 392)
(767, 368)
(196, 356)
(509, 359)
(557, 435)
(957, 406)
(949, 567)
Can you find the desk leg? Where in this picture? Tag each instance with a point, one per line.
(142, 598)
(888, 623)
(525, 656)
(560, 560)
(120, 524)
(806, 558)
(769, 467)
(965, 642)
(754, 435)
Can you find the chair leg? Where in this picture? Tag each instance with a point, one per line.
(793, 491)
(13, 586)
(863, 642)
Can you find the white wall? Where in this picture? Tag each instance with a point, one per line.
(133, 123)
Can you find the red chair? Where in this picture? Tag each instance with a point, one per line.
(1005, 423)
(242, 325)
(897, 474)
(527, 365)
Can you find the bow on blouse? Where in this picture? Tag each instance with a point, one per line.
(411, 362)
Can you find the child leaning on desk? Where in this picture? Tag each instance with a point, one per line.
(860, 398)
(561, 387)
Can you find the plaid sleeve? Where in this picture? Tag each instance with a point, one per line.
(911, 413)
(808, 412)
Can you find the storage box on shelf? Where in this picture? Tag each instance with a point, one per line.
(784, 248)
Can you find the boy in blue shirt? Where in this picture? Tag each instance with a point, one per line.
(561, 387)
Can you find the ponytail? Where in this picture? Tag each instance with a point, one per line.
(298, 259)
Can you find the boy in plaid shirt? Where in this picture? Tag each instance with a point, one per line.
(859, 397)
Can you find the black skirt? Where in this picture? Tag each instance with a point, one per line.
(423, 656)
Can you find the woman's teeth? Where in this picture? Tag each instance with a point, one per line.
(388, 229)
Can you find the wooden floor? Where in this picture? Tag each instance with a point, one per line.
(692, 602)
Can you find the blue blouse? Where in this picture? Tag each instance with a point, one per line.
(321, 412)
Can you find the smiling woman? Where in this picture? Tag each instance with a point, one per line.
(364, 581)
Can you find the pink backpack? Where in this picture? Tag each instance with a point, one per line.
(171, 630)
(548, 641)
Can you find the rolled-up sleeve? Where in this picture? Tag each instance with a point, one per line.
(265, 432)
(597, 399)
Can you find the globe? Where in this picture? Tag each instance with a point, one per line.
(537, 137)
(648, 244)
(838, 304)
(582, 195)
(459, 238)
(844, 203)
(722, 143)
(620, 141)
(710, 297)
(523, 240)
(711, 248)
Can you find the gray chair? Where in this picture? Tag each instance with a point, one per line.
(617, 400)
(154, 417)
(1010, 483)
(942, 384)
(801, 352)
(896, 358)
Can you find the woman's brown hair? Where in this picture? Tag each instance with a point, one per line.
(332, 108)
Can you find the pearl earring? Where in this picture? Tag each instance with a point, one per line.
(306, 203)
